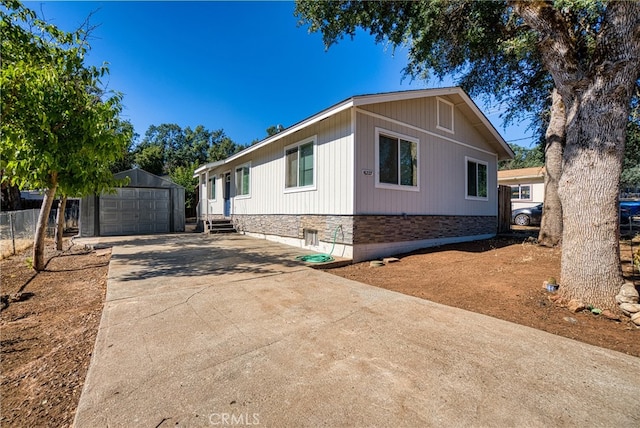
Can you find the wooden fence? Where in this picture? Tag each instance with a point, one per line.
(504, 209)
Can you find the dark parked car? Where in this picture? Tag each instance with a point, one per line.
(527, 216)
(533, 215)
(629, 209)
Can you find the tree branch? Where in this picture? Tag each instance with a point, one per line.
(556, 46)
(617, 47)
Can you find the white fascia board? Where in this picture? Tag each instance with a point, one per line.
(521, 177)
(295, 128)
(363, 100)
(205, 167)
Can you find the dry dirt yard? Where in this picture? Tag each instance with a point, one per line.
(502, 278)
(47, 335)
(49, 327)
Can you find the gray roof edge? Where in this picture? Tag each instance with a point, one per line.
(135, 175)
(359, 100)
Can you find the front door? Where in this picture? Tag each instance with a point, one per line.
(227, 194)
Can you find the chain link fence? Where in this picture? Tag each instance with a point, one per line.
(18, 228)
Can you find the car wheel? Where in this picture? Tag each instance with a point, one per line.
(522, 220)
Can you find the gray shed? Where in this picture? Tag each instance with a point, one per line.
(148, 205)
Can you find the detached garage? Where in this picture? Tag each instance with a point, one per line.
(148, 205)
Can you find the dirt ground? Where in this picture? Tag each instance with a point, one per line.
(49, 330)
(502, 278)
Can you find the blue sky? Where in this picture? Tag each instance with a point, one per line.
(240, 66)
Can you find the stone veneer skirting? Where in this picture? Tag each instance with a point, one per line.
(367, 229)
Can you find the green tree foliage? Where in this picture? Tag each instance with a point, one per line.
(168, 146)
(480, 43)
(169, 149)
(126, 161)
(61, 131)
(524, 158)
(630, 178)
(183, 175)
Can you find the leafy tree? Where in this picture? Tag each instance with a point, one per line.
(168, 146)
(60, 131)
(150, 157)
(126, 161)
(272, 130)
(630, 178)
(169, 149)
(183, 175)
(523, 158)
(588, 51)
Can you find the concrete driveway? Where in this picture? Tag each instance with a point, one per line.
(204, 330)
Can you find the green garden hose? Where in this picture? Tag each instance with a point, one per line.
(321, 258)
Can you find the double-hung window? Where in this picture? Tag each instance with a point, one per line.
(396, 161)
(521, 192)
(476, 179)
(300, 165)
(243, 178)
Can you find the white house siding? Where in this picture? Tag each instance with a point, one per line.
(537, 196)
(346, 206)
(442, 162)
(333, 192)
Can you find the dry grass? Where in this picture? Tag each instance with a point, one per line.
(6, 247)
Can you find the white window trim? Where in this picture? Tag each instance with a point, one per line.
(235, 171)
(453, 111)
(468, 159)
(416, 140)
(314, 140)
(519, 186)
(215, 181)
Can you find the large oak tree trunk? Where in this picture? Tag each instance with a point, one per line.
(589, 189)
(41, 226)
(551, 226)
(596, 92)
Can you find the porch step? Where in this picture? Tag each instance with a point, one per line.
(220, 226)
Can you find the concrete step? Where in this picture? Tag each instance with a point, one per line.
(220, 226)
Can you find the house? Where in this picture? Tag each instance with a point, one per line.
(527, 186)
(147, 205)
(371, 176)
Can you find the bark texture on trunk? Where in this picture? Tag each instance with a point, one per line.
(41, 227)
(596, 91)
(589, 190)
(60, 222)
(551, 226)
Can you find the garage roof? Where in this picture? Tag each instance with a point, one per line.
(141, 178)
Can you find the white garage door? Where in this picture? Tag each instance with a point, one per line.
(134, 211)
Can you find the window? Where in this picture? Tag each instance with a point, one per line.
(300, 165)
(445, 115)
(242, 180)
(397, 161)
(521, 191)
(476, 179)
(212, 187)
